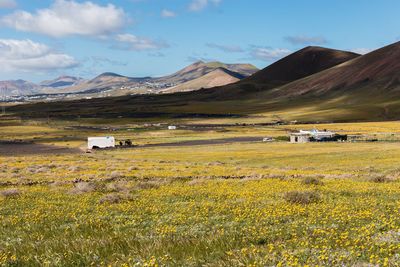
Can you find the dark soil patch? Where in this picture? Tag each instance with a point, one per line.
(21, 148)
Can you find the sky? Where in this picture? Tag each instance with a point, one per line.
(44, 39)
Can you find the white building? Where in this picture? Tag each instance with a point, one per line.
(299, 138)
(171, 127)
(101, 142)
(313, 135)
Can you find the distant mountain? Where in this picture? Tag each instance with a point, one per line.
(18, 88)
(116, 84)
(200, 68)
(217, 77)
(312, 85)
(62, 82)
(105, 81)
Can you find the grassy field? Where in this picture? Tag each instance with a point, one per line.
(239, 204)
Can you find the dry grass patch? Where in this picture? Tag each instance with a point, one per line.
(120, 186)
(302, 197)
(83, 187)
(112, 198)
(11, 192)
(151, 184)
(312, 181)
(380, 179)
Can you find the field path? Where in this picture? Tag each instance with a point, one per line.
(208, 142)
(17, 149)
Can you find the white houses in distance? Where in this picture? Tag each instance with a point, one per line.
(315, 136)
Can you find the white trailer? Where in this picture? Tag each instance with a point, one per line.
(171, 127)
(101, 142)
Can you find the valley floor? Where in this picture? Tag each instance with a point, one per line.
(243, 203)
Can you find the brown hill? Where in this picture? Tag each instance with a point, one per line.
(218, 77)
(18, 87)
(376, 72)
(200, 68)
(364, 88)
(300, 64)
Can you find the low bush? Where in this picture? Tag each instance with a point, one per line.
(312, 181)
(380, 179)
(111, 198)
(83, 187)
(12, 192)
(302, 197)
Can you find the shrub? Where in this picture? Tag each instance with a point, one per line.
(120, 186)
(312, 181)
(302, 197)
(149, 184)
(380, 179)
(12, 192)
(111, 198)
(74, 168)
(115, 175)
(83, 187)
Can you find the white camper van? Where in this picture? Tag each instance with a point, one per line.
(101, 142)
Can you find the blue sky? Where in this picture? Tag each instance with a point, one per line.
(42, 39)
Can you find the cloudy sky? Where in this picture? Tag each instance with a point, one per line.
(42, 39)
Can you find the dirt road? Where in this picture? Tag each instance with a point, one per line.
(18, 149)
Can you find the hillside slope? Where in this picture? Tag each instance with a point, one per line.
(18, 88)
(377, 72)
(362, 89)
(200, 68)
(218, 77)
(62, 82)
(303, 63)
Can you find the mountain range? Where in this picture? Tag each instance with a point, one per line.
(312, 84)
(196, 76)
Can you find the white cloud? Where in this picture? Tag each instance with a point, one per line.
(226, 48)
(8, 4)
(135, 43)
(362, 51)
(165, 13)
(199, 5)
(66, 17)
(268, 54)
(306, 40)
(29, 56)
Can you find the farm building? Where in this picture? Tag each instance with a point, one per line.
(315, 136)
(101, 142)
(299, 138)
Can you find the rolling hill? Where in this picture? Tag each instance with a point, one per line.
(104, 81)
(17, 88)
(217, 77)
(62, 82)
(362, 88)
(303, 63)
(375, 73)
(113, 83)
(200, 68)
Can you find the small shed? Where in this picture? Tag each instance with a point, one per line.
(171, 127)
(299, 137)
(101, 142)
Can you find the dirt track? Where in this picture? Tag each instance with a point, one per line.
(18, 149)
(208, 142)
